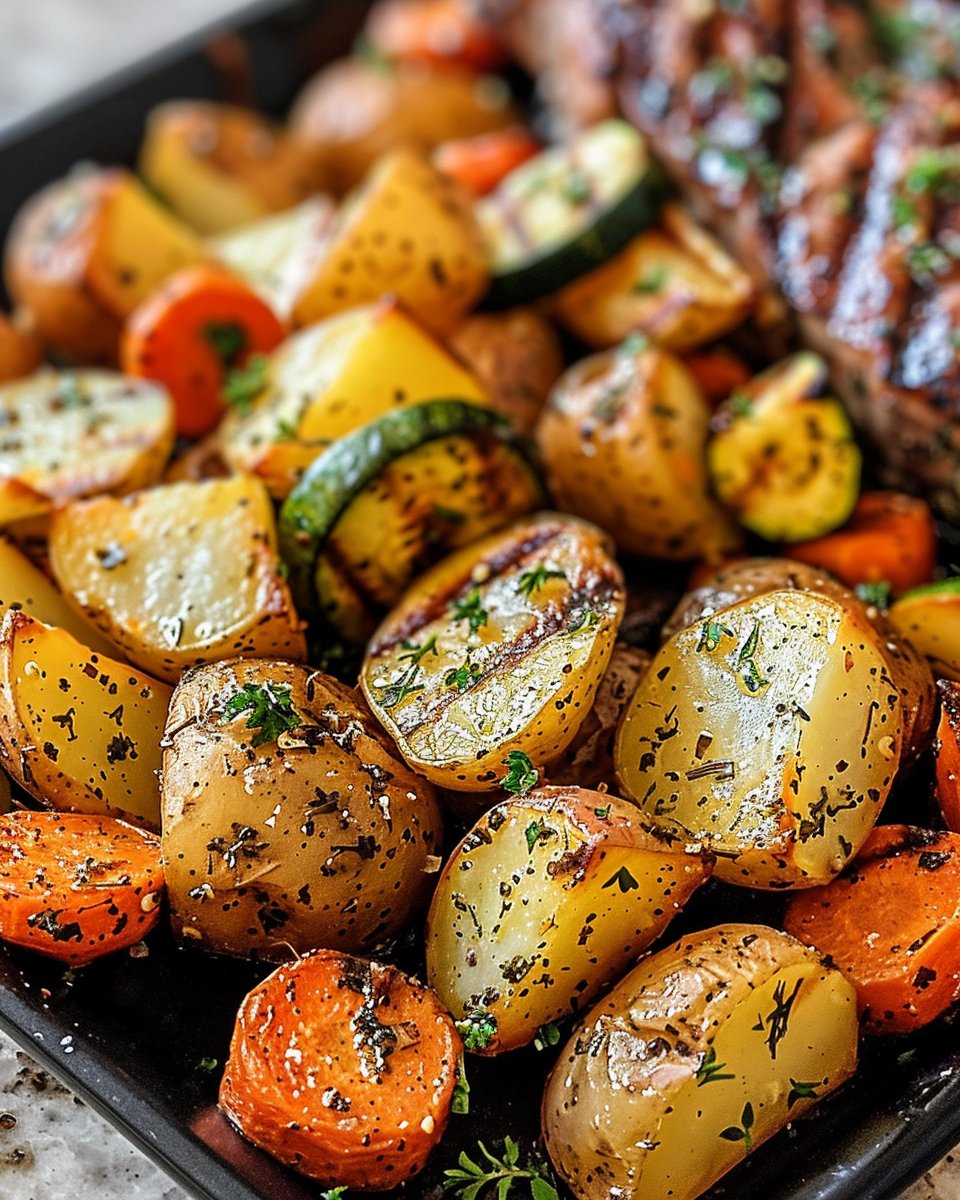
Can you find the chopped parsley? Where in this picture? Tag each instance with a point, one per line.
(394, 693)
(741, 1132)
(462, 677)
(244, 384)
(624, 880)
(653, 282)
(227, 339)
(802, 1091)
(461, 1091)
(740, 404)
(537, 832)
(471, 1178)
(547, 1035)
(533, 581)
(469, 608)
(634, 343)
(208, 1064)
(710, 1071)
(478, 1029)
(877, 594)
(270, 707)
(521, 774)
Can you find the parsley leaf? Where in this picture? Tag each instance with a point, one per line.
(472, 1178)
(652, 282)
(393, 693)
(521, 774)
(270, 707)
(877, 594)
(244, 384)
(228, 340)
(469, 608)
(533, 581)
(624, 880)
(478, 1029)
(462, 677)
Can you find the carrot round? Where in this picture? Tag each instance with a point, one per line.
(342, 1069)
(433, 32)
(191, 333)
(890, 538)
(75, 886)
(719, 372)
(891, 923)
(20, 352)
(479, 163)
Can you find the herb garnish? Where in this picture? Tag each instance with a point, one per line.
(750, 673)
(208, 1064)
(521, 774)
(741, 1132)
(463, 676)
(470, 1179)
(228, 339)
(334, 1193)
(244, 384)
(577, 187)
(461, 1091)
(533, 581)
(469, 608)
(740, 404)
(652, 282)
(478, 1029)
(877, 593)
(711, 634)
(802, 1091)
(710, 1070)
(624, 880)
(537, 832)
(270, 707)
(393, 693)
(547, 1035)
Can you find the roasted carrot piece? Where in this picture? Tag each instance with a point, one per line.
(343, 1069)
(890, 538)
(479, 163)
(20, 352)
(75, 886)
(719, 372)
(201, 324)
(947, 747)
(891, 923)
(433, 32)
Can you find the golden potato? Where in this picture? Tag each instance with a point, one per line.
(772, 731)
(355, 112)
(702, 1052)
(287, 823)
(928, 618)
(85, 251)
(499, 647)
(623, 437)
(219, 166)
(78, 731)
(327, 381)
(674, 283)
(182, 574)
(546, 901)
(78, 433)
(408, 232)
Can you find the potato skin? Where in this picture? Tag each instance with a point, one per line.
(320, 837)
(708, 1036)
(623, 437)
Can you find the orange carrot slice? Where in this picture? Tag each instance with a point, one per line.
(433, 32)
(479, 163)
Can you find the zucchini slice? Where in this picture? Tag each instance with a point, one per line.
(568, 211)
(383, 503)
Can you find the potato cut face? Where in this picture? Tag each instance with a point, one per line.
(79, 731)
(180, 574)
(702, 1052)
(287, 822)
(329, 380)
(81, 432)
(772, 732)
(549, 898)
(499, 647)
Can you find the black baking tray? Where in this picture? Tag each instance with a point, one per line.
(143, 1038)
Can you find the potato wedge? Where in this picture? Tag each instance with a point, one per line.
(674, 283)
(85, 251)
(25, 588)
(182, 574)
(408, 232)
(547, 900)
(278, 255)
(79, 433)
(219, 166)
(702, 1052)
(928, 617)
(355, 112)
(499, 647)
(772, 731)
(623, 437)
(287, 822)
(79, 731)
(328, 381)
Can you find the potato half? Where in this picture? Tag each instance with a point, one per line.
(78, 730)
(181, 574)
(287, 823)
(772, 731)
(702, 1052)
(547, 900)
(499, 647)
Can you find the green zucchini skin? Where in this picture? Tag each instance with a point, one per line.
(332, 482)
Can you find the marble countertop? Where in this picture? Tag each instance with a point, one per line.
(52, 1146)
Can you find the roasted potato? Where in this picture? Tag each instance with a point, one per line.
(588, 760)
(20, 350)
(182, 574)
(623, 437)
(78, 731)
(329, 380)
(287, 822)
(278, 255)
(547, 900)
(702, 1052)
(499, 647)
(84, 252)
(674, 283)
(928, 618)
(355, 112)
(70, 434)
(407, 232)
(772, 731)
(516, 356)
(219, 166)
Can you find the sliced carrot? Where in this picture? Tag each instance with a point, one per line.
(20, 352)
(890, 538)
(201, 324)
(75, 886)
(947, 747)
(719, 372)
(891, 923)
(433, 32)
(342, 1069)
(479, 163)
